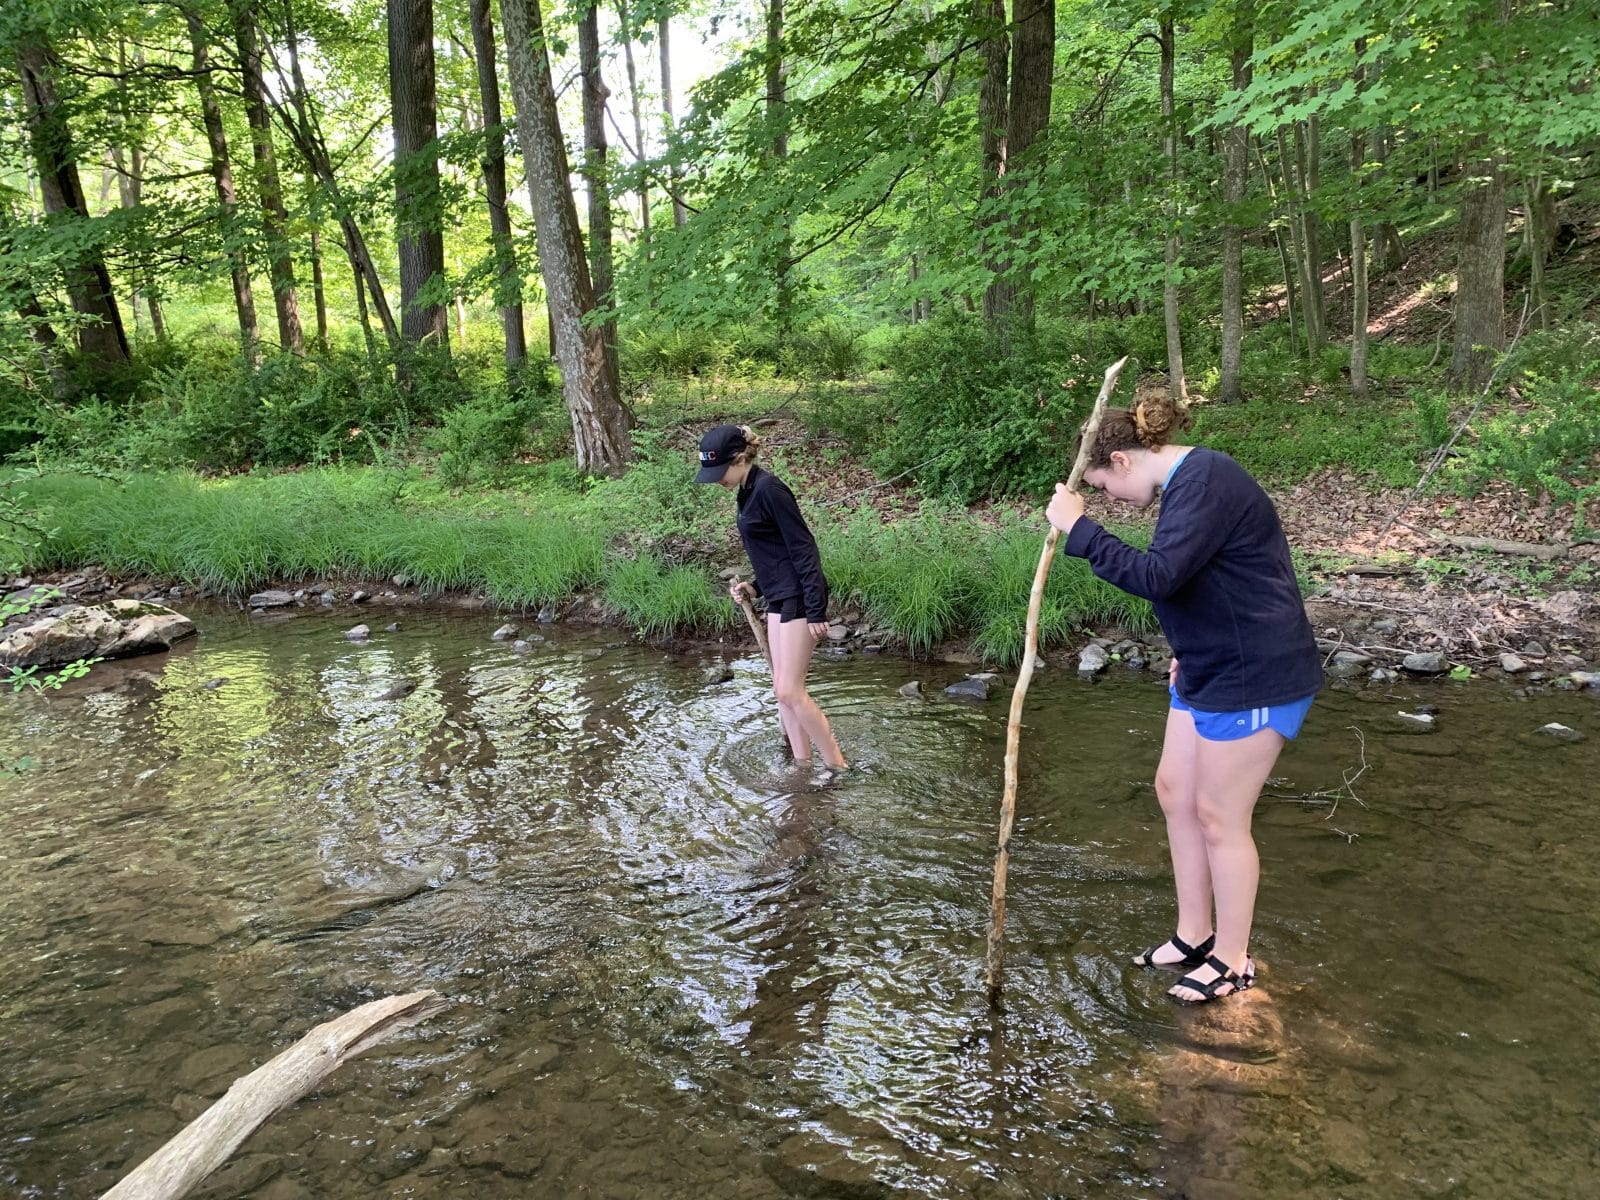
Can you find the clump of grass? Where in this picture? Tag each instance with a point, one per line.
(657, 597)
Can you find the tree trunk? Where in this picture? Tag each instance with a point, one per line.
(508, 284)
(244, 301)
(418, 216)
(353, 254)
(274, 216)
(1009, 298)
(600, 423)
(663, 29)
(1538, 240)
(1177, 386)
(596, 174)
(989, 24)
(1388, 249)
(638, 125)
(302, 126)
(1283, 249)
(101, 339)
(1308, 162)
(319, 289)
(1235, 181)
(1310, 314)
(1480, 303)
(777, 125)
(1358, 268)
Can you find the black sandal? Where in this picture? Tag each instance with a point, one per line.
(1236, 981)
(1193, 956)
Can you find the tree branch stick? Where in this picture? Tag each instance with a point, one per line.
(1030, 656)
(206, 1142)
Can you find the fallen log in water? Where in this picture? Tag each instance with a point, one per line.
(206, 1142)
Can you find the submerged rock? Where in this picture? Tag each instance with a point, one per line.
(1556, 731)
(114, 629)
(358, 633)
(398, 689)
(504, 633)
(912, 690)
(712, 676)
(970, 688)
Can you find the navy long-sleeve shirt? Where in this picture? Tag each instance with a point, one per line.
(1219, 575)
(779, 543)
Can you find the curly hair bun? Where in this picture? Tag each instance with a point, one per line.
(1158, 417)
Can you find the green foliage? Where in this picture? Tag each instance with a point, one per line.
(1548, 442)
(30, 678)
(656, 597)
(975, 417)
(485, 433)
(1279, 441)
(657, 499)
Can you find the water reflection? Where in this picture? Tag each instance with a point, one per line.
(680, 966)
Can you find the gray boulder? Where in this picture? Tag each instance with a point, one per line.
(912, 690)
(1427, 663)
(272, 598)
(970, 688)
(1092, 659)
(505, 633)
(115, 629)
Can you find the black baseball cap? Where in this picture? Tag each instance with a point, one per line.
(717, 451)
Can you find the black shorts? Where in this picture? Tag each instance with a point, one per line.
(790, 608)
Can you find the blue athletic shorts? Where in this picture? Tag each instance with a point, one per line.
(1231, 726)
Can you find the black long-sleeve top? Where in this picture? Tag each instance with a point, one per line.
(1219, 575)
(781, 548)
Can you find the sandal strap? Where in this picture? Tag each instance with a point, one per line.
(1225, 974)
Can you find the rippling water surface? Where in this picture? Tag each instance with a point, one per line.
(678, 967)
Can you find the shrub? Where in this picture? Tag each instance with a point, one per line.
(974, 417)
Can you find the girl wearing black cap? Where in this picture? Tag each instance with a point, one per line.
(1219, 575)
(788, 573)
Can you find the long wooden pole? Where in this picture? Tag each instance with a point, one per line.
(766, 651)
(206, 1142)
(1030, 656)
(755, 625)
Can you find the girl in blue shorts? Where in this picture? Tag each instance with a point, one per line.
(1219, 576)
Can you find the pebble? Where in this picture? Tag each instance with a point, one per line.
(1512, 665)
(1560, 732)
(1427, 663)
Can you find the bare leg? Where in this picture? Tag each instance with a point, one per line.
(1229, 778)
(792, 644)
(1176, 778)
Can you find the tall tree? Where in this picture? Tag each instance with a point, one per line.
(680, 214)
(994, 42)
(1480, 301)
(777, 125)
(269, 189)
(101, 339)
(419, 221)
(597, 172)
(1176, 384)
(600, 422)
(1358, 258)
(625, 21)
(1010, 299)
(1235, 180)
(508, 284)
(221, 166)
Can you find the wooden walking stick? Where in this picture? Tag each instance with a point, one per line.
(766, 651)
(1030, 656)
(755, 623)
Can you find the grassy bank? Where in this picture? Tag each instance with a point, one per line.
(940, 575)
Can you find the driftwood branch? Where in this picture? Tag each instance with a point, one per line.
(206, 1142)
(1545, 550)
(1030, 656)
